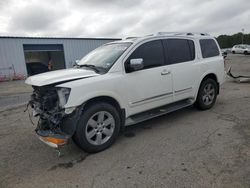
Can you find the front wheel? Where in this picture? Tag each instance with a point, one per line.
(98, 127)
(207, 94)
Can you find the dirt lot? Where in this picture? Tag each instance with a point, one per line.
(13, 93)
(187, 148)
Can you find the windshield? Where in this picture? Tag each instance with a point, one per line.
(104, 57)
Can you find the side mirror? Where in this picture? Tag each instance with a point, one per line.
(136, 64)
(75, 64)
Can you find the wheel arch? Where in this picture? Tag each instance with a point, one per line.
(109, 100)
(103, 98)
(199, 101)
(212, 76)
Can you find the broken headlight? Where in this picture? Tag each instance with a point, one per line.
(63, 94)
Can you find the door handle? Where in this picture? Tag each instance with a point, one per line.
(165, 72)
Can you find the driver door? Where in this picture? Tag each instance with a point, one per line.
(151, 86)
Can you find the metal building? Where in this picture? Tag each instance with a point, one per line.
(17, 54)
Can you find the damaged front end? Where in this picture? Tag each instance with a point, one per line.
(56, 124)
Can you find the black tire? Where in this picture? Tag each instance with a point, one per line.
(233, 52)
(80, 136)
(245, 53)
(203, 100)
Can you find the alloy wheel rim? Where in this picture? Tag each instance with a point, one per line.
(100, 127)
(208, 94)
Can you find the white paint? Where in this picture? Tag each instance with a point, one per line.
(131, 89)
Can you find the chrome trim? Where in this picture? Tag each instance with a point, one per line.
(151, 98)
(183, 90)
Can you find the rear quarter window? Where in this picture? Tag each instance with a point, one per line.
(209, 48)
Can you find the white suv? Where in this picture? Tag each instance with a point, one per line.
(125, 82)
(241, 49)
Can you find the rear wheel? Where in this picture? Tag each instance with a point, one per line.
(98, 127)
(207, 94)
(233, 52)
(245, 52)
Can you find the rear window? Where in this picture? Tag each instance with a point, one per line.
(209, 48)
(179, 50)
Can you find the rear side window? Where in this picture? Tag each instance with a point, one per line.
(151, 53)
(209, 48)
(179, 50)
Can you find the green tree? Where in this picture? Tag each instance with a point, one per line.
(228, 41)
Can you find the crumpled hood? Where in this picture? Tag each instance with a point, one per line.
(59, 76)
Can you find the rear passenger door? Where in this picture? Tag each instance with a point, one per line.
(180, 54)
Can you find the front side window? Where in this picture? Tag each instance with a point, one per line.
(209, 48)
(151, 53)
(104, 57)
(179, 50)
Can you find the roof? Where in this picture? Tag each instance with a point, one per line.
(60, 38)
(166, 34)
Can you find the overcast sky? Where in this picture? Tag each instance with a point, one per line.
(120, 18)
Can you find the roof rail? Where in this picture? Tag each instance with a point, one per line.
(172, 34)
(131, 37)
(197, 33)
(168, 33)
(181, 33)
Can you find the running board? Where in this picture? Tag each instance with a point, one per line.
(143, 116)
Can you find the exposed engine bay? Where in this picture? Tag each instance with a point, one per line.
(56, 123)
(47, 103)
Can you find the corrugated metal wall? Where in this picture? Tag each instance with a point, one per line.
(12, 54)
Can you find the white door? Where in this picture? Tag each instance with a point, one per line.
(185, 70)
(185, 79)
(152, 86)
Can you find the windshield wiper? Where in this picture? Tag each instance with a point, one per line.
(96, 69)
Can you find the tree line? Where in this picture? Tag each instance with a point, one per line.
(228, 41)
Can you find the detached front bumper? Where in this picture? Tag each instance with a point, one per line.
(52, 139)
(58, 135)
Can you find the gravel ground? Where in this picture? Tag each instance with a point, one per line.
(186, 148)
(10, 101)
(13, 93)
